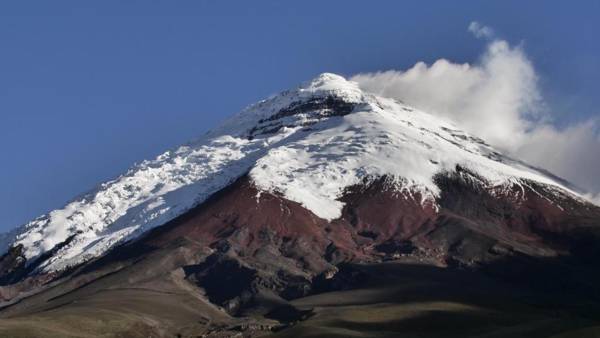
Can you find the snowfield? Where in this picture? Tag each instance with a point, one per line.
(288, 144)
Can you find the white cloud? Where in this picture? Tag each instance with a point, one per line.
(481, 31)
(594, 198)
(572, 152)
(498, 99)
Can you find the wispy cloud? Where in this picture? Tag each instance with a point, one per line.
(499, 99)
(481, 31)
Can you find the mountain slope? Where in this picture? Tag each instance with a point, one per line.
(317, 200)
(236, 265)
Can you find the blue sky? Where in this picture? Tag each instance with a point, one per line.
(88, 88)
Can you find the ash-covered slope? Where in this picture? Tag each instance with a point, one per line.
(308, 145)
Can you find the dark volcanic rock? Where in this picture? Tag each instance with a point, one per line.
(226, 281)
(311, 111)
(11, 263)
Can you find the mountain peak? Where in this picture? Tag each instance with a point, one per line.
(327, 81)
(325, 85)
(332, 84)
(326, 76)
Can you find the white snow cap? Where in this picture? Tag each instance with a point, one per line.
(309, 155)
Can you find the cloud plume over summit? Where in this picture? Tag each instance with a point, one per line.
(497, 98)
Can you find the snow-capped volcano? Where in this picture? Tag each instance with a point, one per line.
(316, 190)
(308, 145)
